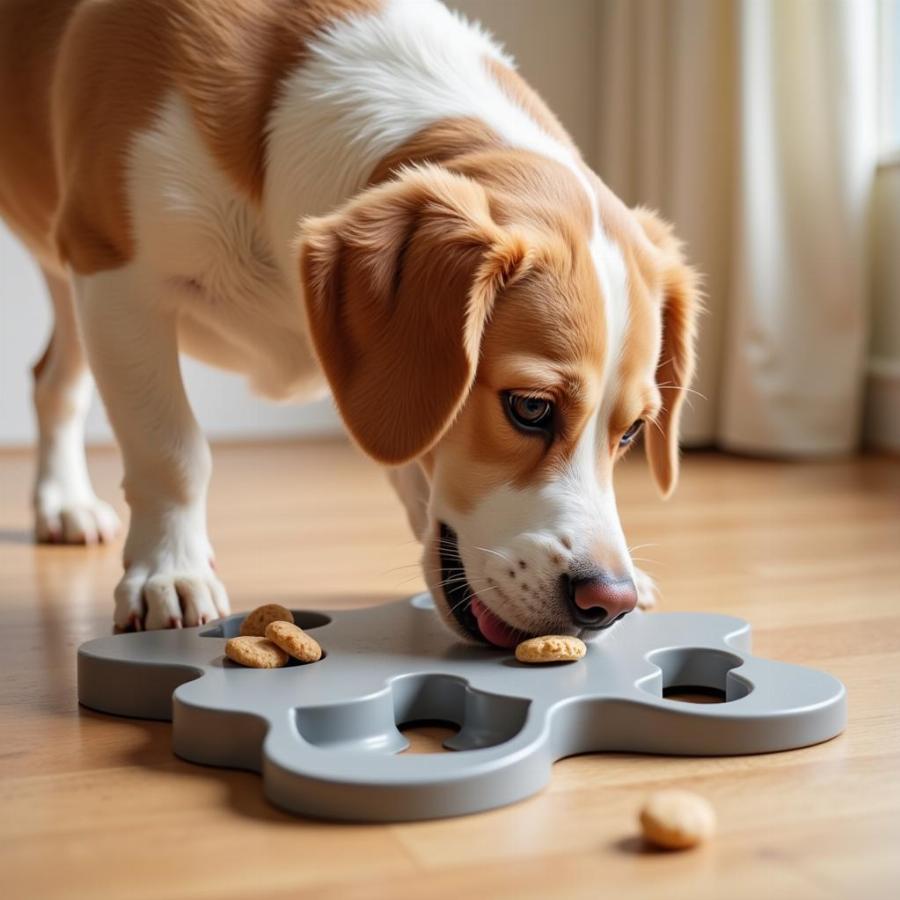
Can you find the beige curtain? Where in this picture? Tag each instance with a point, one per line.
(751, 124)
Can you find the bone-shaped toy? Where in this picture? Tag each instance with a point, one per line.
(325, 736)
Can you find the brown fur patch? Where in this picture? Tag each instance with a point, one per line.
(679, 286)
(399, 286)
(547, 328)
(110, 64)
(546, 335)
(439, 143)
(30, 32)
(38, 368)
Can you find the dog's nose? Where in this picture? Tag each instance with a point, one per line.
(598, 600)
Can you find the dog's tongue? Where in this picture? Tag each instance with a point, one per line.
(494, 629)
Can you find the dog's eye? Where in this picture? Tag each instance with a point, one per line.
(631, 433)
(528, 413)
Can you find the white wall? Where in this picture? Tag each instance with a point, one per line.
(553, 42)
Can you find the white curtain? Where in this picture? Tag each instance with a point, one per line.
(752, 125)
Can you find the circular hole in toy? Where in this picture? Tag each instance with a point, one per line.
(428, 735)
(476, 718)
(470, 718)
(694, 694)
(423, 601)
(307, 620)
(696, 675)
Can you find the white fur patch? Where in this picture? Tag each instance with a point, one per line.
(208, 251)
(611, 271)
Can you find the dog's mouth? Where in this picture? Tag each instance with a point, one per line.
(470, 613)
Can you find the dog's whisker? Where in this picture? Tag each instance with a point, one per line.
(681, 387)
(641, 547)
(657, 426)
(494, 552)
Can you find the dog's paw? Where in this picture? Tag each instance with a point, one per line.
(647, 591)
(169, 596)
(58, 520)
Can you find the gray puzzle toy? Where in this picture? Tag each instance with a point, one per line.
(325, 736)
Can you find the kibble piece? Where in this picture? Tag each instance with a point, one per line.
(256, 622)
(550, 648)
(677, 820)
(255, 652)
(295, 641)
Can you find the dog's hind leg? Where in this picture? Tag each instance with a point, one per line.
(66, 510)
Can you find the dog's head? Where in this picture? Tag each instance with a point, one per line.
(513, 350)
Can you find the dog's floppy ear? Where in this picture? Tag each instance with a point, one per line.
(675, 369)
(398, 286)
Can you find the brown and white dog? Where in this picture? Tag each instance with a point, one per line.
(354, 194)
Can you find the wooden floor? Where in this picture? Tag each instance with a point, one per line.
(99, 807)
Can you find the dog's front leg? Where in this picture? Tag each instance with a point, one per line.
(131, 339)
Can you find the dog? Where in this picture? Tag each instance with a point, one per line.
(355, 195)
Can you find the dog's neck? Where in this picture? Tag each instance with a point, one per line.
(409, 84)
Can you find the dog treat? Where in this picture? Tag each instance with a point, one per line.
(550, 648)
(294, 640)
(255, 652)
(676, 820)
(256, 622)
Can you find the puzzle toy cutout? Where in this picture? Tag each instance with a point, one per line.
(325, 736)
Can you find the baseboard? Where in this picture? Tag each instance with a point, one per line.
(882, 416)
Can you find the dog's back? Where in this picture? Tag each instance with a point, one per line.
(78, 79)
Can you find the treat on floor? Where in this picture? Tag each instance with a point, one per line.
(677, 820)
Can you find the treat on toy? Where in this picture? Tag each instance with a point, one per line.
(256, 622)
(294, 641)
(551, 648)
(677, 820)
(255, 652)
